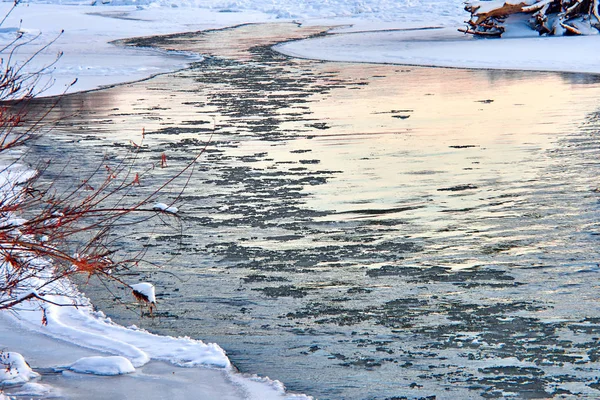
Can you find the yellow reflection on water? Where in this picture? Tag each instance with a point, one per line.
(400, 134)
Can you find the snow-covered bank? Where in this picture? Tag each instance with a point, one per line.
(88, 54)
(95, 62)
(83, 345)
(153, 380)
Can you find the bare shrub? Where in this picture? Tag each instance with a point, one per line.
(47, 234)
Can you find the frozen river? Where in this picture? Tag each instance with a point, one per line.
(364, 231)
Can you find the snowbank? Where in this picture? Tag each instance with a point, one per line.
(87, 328)
(33, 389)
(14, 369)
(132, 348)
(446, 48)
(88, 54)
(97, 365)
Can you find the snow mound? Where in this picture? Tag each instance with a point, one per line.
(113, 365)
(146, 290)
(14, 369)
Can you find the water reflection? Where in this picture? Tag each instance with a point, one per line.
(371, 231)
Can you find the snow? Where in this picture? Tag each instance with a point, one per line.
(14, 369)
(146, 289)
(165, 208)
(33, 389)
(97, 365)
(441, 48)
(93, 330)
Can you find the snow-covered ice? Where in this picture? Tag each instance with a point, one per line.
(14, 369)
(33, 389)
(166, 208)
(97, 365)
(443, 47)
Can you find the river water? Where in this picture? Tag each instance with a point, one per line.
(363, 231)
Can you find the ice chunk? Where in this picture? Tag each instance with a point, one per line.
(14, 369)
(165, 208)
(97, 365)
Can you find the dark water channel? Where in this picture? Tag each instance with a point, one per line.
(366, 231)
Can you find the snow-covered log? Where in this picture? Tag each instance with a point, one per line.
(548, 17)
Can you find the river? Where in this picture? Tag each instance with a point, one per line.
(362, 231)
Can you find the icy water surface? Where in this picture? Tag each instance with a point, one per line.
(367, 231)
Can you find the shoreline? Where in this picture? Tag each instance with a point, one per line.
(90, 325)
(426, 48)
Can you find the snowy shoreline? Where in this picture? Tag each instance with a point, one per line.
(403, 37)
(79, 345)
(68, 343)
(446, 48)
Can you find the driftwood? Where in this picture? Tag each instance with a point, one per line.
(548, 17)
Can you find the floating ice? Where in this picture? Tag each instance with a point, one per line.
(165, 208)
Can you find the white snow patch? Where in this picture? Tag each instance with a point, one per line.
(265, 388)
(14, 369)
(165, 208)
(146, 289)
(93, 330)
(96, 365)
